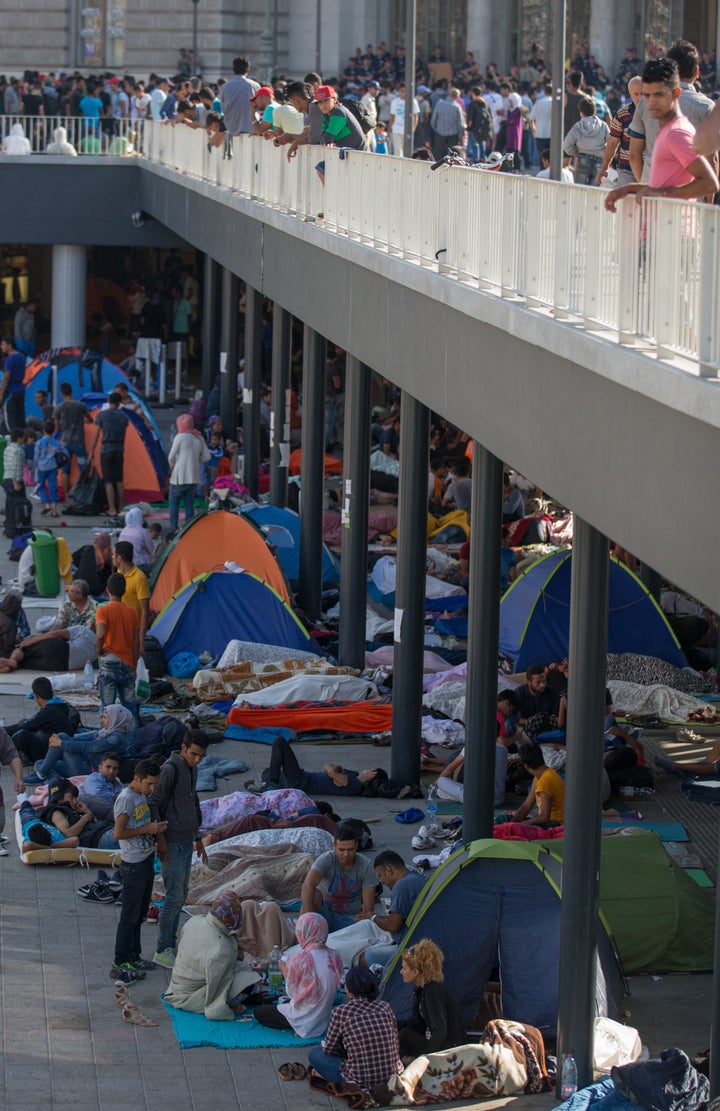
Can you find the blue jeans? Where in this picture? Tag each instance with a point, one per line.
(58, 762)
(334, 920)
(179, 494)
(380, 954)
(176, 877)
(137, 889)
(80, 453)
(327, 1065)
(49, 477)
(116, 680)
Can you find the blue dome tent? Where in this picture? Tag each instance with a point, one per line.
(223, 605)
(535, 615)
(86, 371)
(269, 517)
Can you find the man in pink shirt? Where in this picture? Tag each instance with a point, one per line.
(677, 171)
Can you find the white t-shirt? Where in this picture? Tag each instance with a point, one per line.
(81, 646)
(397, 109)
(541, 115)
(288, 119)
(566, 174)
(139, 106)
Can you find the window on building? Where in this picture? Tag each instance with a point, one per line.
(440, 23)
(101, 28)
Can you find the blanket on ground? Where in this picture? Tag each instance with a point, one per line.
(305, 687)
(272, 872)
(631, 667)
(372, 716)
(286, 802)
(657, 699)
(248, 676)
(254, 822)
(308, 840)
(508, 1059)
(238, 651)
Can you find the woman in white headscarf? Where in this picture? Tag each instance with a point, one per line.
(136, 533)
(75, 755)
(15, 142)
(60, 144)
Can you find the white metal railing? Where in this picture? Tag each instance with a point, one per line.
(116, 138)
(647, 276)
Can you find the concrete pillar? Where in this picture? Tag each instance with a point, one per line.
(251, 394)
(410, 592)
(313, 445)
(583, 794)
(483, 636)
(211, 289)
(480, 30)
(280, 416)
(69, 275)
(604, 33)
(229, 351)
(355, 507)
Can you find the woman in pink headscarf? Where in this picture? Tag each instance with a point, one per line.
(188, 451)
(312, 978)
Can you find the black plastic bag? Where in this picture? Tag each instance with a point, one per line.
(87, 497)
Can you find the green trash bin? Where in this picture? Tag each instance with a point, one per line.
(45, 558)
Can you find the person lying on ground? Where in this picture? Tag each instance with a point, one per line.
(74, 819)
(209, 975)
(341, 883)
(31, 735)
(547, 792)
(709, 765)
(73, 755)
(285, 771)
(436, 1022)
(312, 978)
(57, 650)
(101, 788)
(41, 835)
(361, 1046)
(405, 886)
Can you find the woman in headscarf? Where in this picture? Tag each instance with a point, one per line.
(68, 755)
(136, 533)
(9, 614)
(60, 144)
(188, 451)
(16, 142)
(209, 975)
(94, 563)
(312, 978)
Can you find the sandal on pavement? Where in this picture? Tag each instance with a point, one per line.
(299, 1072)
(285, 1072)
(132, 1013)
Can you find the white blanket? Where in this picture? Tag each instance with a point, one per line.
(666, 703)
(311, 688)
(351, 941)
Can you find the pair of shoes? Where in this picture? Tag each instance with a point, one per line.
(166, 958)
(141, 965)
(423, 839)
(125, 974)
(96, 893)
(3, 852)
(153, 913)
(34, 780)
(292, 1070)
(690, 737)
(114, 882)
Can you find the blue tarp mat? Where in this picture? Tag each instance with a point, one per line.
(259, 736)
(193, 1031)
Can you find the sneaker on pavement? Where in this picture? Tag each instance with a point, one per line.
(141, 965)
(422, 839)
(127, 966)
(3, 839)
(98, 893)
(3, 852)
(166, 958)
(126, 974)
(34, 780)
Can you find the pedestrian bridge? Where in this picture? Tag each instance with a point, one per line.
(580, 347)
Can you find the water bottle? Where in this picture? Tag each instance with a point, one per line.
(88, 677)
(3, 722)
(568, 1078)
(432, 808)
(275, 976)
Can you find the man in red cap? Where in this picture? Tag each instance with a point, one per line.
(263, 104)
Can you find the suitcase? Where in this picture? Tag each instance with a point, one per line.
(18, 515)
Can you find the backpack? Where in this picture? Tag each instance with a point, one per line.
(18, 515)
(361, 113)
(154, 657)
(362, 831)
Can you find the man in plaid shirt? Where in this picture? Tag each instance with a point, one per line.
(361, 1046)
(619, 141)
(14, 463)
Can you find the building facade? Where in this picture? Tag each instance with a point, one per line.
(291, 36)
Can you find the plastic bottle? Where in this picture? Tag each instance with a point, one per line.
(3, 722)
(275, 976)
(568, 1078)
(88, 677)
(432, 807)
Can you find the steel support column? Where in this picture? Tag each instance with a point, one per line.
(355, 502)
(483, 635)
(229, 351)
(583, 798)
(210, 329)
(312, 473)
(280, 416)
(410, 592)
(251, 392)
(69, 277)
(652, 580)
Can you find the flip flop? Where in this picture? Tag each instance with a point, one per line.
(285, 1072)
(299, 1072)
(132, 1013)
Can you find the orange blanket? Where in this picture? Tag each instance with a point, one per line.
(371, 716)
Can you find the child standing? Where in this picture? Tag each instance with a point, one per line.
(136, 831)
(47, 468)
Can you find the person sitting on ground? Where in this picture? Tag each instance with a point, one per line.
(68, 756)
(450, 784)
(547, 791)
(94, 563)
(79, 609)
(361, 1047)
(100, 789)
(312, 978)
(539, 704)
(56, 650)
(405, 886)
(513, 506)
(459, 490)
(9, 612)
(136, 534)
(436, 1021)
(285, 771)
(209, 975)
(341, 883)
(31, 735)
(508, 715)
(74, 819)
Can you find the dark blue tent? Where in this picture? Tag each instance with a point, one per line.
(535, 615)
(271, 517)
(220, 606)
